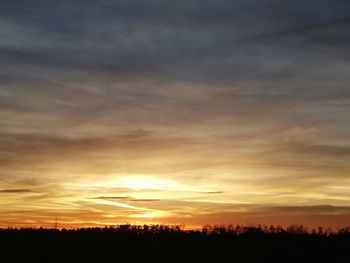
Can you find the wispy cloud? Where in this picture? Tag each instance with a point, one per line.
(15, 191)
(65, 103)
(125, 198)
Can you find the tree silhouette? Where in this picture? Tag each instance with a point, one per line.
(161, 243)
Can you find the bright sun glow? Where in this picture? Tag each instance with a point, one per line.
(150, 215)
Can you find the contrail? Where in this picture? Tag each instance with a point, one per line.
(123, 205)
(65, 103)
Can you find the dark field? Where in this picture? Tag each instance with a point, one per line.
(170, 244)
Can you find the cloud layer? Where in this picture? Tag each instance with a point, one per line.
(213, 102)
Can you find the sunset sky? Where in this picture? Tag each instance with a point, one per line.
(186, 112)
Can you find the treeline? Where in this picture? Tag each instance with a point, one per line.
(161, 243)
(206, 230)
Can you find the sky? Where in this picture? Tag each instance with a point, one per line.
(176, 112)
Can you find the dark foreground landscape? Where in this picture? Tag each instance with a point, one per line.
(171, 244)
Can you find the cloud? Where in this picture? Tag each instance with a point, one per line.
(306, 29)
(309, 216)
(15, 191)
(213, 192)
(248, 98)
(330, 151)
(125, 198)
(155, 39)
